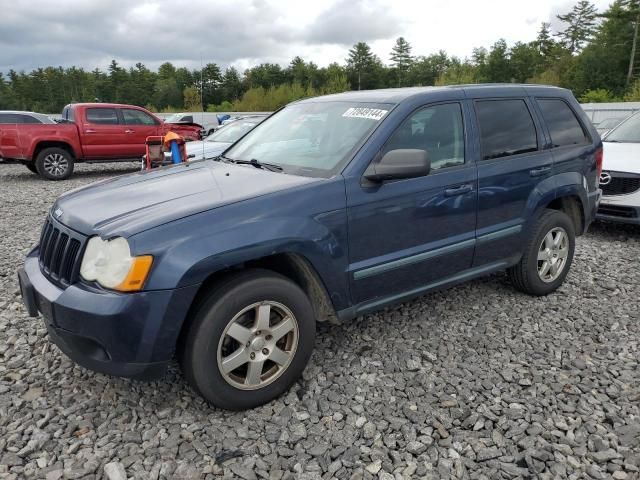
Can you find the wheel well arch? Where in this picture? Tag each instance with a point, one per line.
(53, 143)
(291, 265)
(573, 207)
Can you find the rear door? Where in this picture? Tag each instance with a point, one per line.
(9, 139)
(571, 146)
(511, 169)
(138, 125)
(101, 134)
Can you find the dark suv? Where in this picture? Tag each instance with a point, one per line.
(332, 207)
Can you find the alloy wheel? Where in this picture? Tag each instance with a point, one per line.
(55, 164)
(552, 254)
(258, 345)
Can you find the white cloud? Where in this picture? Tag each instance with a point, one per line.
(246, 32)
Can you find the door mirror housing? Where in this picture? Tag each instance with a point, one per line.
(399, 164)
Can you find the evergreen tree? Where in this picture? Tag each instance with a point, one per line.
(580, 26)
(360, 60)
(401, 58)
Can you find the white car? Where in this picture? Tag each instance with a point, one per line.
(620, 179)
(220, 140)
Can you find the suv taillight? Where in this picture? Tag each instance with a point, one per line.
(599, 157)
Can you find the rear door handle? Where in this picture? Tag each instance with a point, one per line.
(538, 172)
(89, 130)
(461, 190)
(129, 131)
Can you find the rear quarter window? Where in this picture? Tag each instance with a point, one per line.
(506, 128)
(102, 116)
(564, 127)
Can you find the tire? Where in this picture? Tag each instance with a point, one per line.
(31, 167)
(54, 163)
(548, 255)
(212, 341)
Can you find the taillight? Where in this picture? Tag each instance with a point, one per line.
(599, 157)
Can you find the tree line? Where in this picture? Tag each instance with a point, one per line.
(594, 54)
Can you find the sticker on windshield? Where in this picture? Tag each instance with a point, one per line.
(370, 113)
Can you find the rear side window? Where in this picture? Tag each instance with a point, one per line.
(564, 127)
(506, 128)
(67, 114)
(103, 116)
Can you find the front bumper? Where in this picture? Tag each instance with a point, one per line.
(620, 208)
(127, 335)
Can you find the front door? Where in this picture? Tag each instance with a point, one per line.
(405, 235)
(138, 125)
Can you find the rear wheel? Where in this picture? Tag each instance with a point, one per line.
(54, 163)
(249, 341)
(548, 255)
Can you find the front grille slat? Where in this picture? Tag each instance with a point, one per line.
(60, 253)
(621, 184)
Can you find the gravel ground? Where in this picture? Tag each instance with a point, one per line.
(475, 382)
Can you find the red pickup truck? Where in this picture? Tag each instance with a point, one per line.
(88, 132)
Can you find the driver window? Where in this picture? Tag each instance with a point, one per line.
(438, 130)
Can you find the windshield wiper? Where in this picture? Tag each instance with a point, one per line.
(256, 163)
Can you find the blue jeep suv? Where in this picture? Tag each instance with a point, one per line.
(332, 207)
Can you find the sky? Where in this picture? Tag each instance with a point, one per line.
(243, 33)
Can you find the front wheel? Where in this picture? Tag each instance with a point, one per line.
(249, 341)
(54, 163)
(548, 255)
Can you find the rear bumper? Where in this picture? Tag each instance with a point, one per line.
(127, 335)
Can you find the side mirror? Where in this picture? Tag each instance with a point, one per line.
(398, 164)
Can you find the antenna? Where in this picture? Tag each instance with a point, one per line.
(202, 97)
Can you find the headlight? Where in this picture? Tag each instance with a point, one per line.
(109, 262)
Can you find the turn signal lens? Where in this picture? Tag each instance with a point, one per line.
(137, 275)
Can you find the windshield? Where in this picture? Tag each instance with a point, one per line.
(313, 139)
(231, 132)
(173, 118)
(626, 132)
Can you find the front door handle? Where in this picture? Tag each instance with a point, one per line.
(538, 172)
(89, 130)
(461, 190)
(129, 131)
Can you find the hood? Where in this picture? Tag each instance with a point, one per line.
(210, 149)
(133, 203)
(621, 157)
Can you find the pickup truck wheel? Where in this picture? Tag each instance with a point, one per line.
(31, 167)
(548, 255)
(54, 164)
(249, 340)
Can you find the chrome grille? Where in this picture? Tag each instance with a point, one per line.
(60, 253)
(621, 184)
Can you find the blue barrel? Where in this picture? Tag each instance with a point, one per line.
(175, 152)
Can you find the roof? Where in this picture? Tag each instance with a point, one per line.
(397, 95)
(107, 105)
